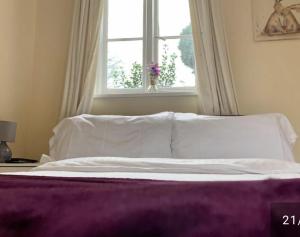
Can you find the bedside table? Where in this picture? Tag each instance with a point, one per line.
(13, 167)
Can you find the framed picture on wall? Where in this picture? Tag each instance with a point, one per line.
(276, 19)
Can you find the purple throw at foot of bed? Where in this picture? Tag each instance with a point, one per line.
(88, 207)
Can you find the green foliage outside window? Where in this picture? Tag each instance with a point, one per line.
(167, 76)
(117, 76)
(187, 48)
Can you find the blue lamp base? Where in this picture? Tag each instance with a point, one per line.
(5, 152)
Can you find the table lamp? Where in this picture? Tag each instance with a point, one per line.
(7, 134)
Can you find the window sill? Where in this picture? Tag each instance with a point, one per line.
(154, 94)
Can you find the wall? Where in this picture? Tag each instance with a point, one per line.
(53, 26)
(33, 52)
(267, 74)
(17, 24)
(53, 23)
(145, 105)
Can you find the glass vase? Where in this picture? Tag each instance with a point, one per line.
(152, 85)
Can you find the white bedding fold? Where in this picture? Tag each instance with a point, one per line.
(180, 166)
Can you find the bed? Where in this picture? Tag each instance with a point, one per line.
(159, 175)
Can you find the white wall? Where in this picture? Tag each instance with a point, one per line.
(17, 24)
(267, 74)
(33, 52)
(53, 26)
(145, 105)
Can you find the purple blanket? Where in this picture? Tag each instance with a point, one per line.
(87, 207)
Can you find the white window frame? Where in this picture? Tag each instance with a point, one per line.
(150, 40)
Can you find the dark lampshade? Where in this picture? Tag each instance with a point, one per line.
(8, 131)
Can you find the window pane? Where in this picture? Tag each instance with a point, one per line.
(124, 65)
(174, 16)
(176, 58)
(125, 18)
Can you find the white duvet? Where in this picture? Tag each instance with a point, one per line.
(169, 169)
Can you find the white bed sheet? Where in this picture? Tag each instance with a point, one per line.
(169, 169)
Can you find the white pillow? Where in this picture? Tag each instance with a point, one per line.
(256, 136)
(118, 136)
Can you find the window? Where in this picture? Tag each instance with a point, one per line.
(141, 32)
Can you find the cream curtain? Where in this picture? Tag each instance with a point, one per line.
(215, 82)
(83, 57)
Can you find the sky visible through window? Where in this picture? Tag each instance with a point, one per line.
(125, 20)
